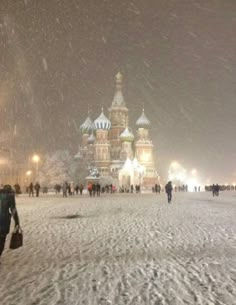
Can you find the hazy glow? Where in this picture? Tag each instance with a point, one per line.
(175, 164)
(35, 158)
(176, 172)
(3, 161)
(145, 157)
(179, 176)
(194, 171)
(192, 183)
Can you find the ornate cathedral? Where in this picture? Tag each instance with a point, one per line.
(111, 150)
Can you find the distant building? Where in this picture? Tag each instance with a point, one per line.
(109, 145)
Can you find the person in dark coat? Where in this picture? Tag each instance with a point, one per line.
(132, 188)
(77, 189)
(94, 189)
(64, 189)
(37, 188)
(7, 210)
(169, 189)
(217, 189)
(81, 187)
(31, 189)
(98, 189)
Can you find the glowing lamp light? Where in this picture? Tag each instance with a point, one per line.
(194, 171)
(175, 164)
(35, 158)
(3, 161)
(28, 173)
(192, 183)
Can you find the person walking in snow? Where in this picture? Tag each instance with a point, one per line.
(64, 189)
(90, 189)
(31, 189)
(94, 189)
(7, 210)
(98, 189)
(37, 188)
(76, 189)
(81, 187)
(169, 190)
(217, 189)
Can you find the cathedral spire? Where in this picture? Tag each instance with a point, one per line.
(119, 78)
(118, 100)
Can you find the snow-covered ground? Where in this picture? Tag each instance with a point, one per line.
(123, 249)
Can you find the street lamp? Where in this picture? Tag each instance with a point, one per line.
(36, 160)
(175, 164)
(28, 173)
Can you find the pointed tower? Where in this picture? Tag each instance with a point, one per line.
(102, 146)
(118, 118)
(144, 150)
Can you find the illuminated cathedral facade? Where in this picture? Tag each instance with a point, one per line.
(112, 151)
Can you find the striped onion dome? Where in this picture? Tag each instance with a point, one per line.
(87, 125)
(102, 122)
(127, 135)
(91, 139)
(143, 121)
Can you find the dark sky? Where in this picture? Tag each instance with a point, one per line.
(178, 57)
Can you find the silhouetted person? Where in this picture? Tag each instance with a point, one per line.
(31, 189)
(37, 188)
(94, 189)
(90, 189)
(169, 189)
(77, 189)
(98, 189)
(217, 189)
(17, 188)
(132, 188)
(155, 188)
(213, 190)
(7, 210)
(64, 189)
(81, 187)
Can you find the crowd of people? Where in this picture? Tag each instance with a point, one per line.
(69, 189)
(31, 188)
(8, 207)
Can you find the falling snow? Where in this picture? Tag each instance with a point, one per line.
(177, 57)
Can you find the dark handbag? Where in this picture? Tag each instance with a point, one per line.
(16, 238)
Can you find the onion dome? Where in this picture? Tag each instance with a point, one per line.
(143, 121)
(91, 139)
(87, 125)
(127, 135)
(102, 122)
